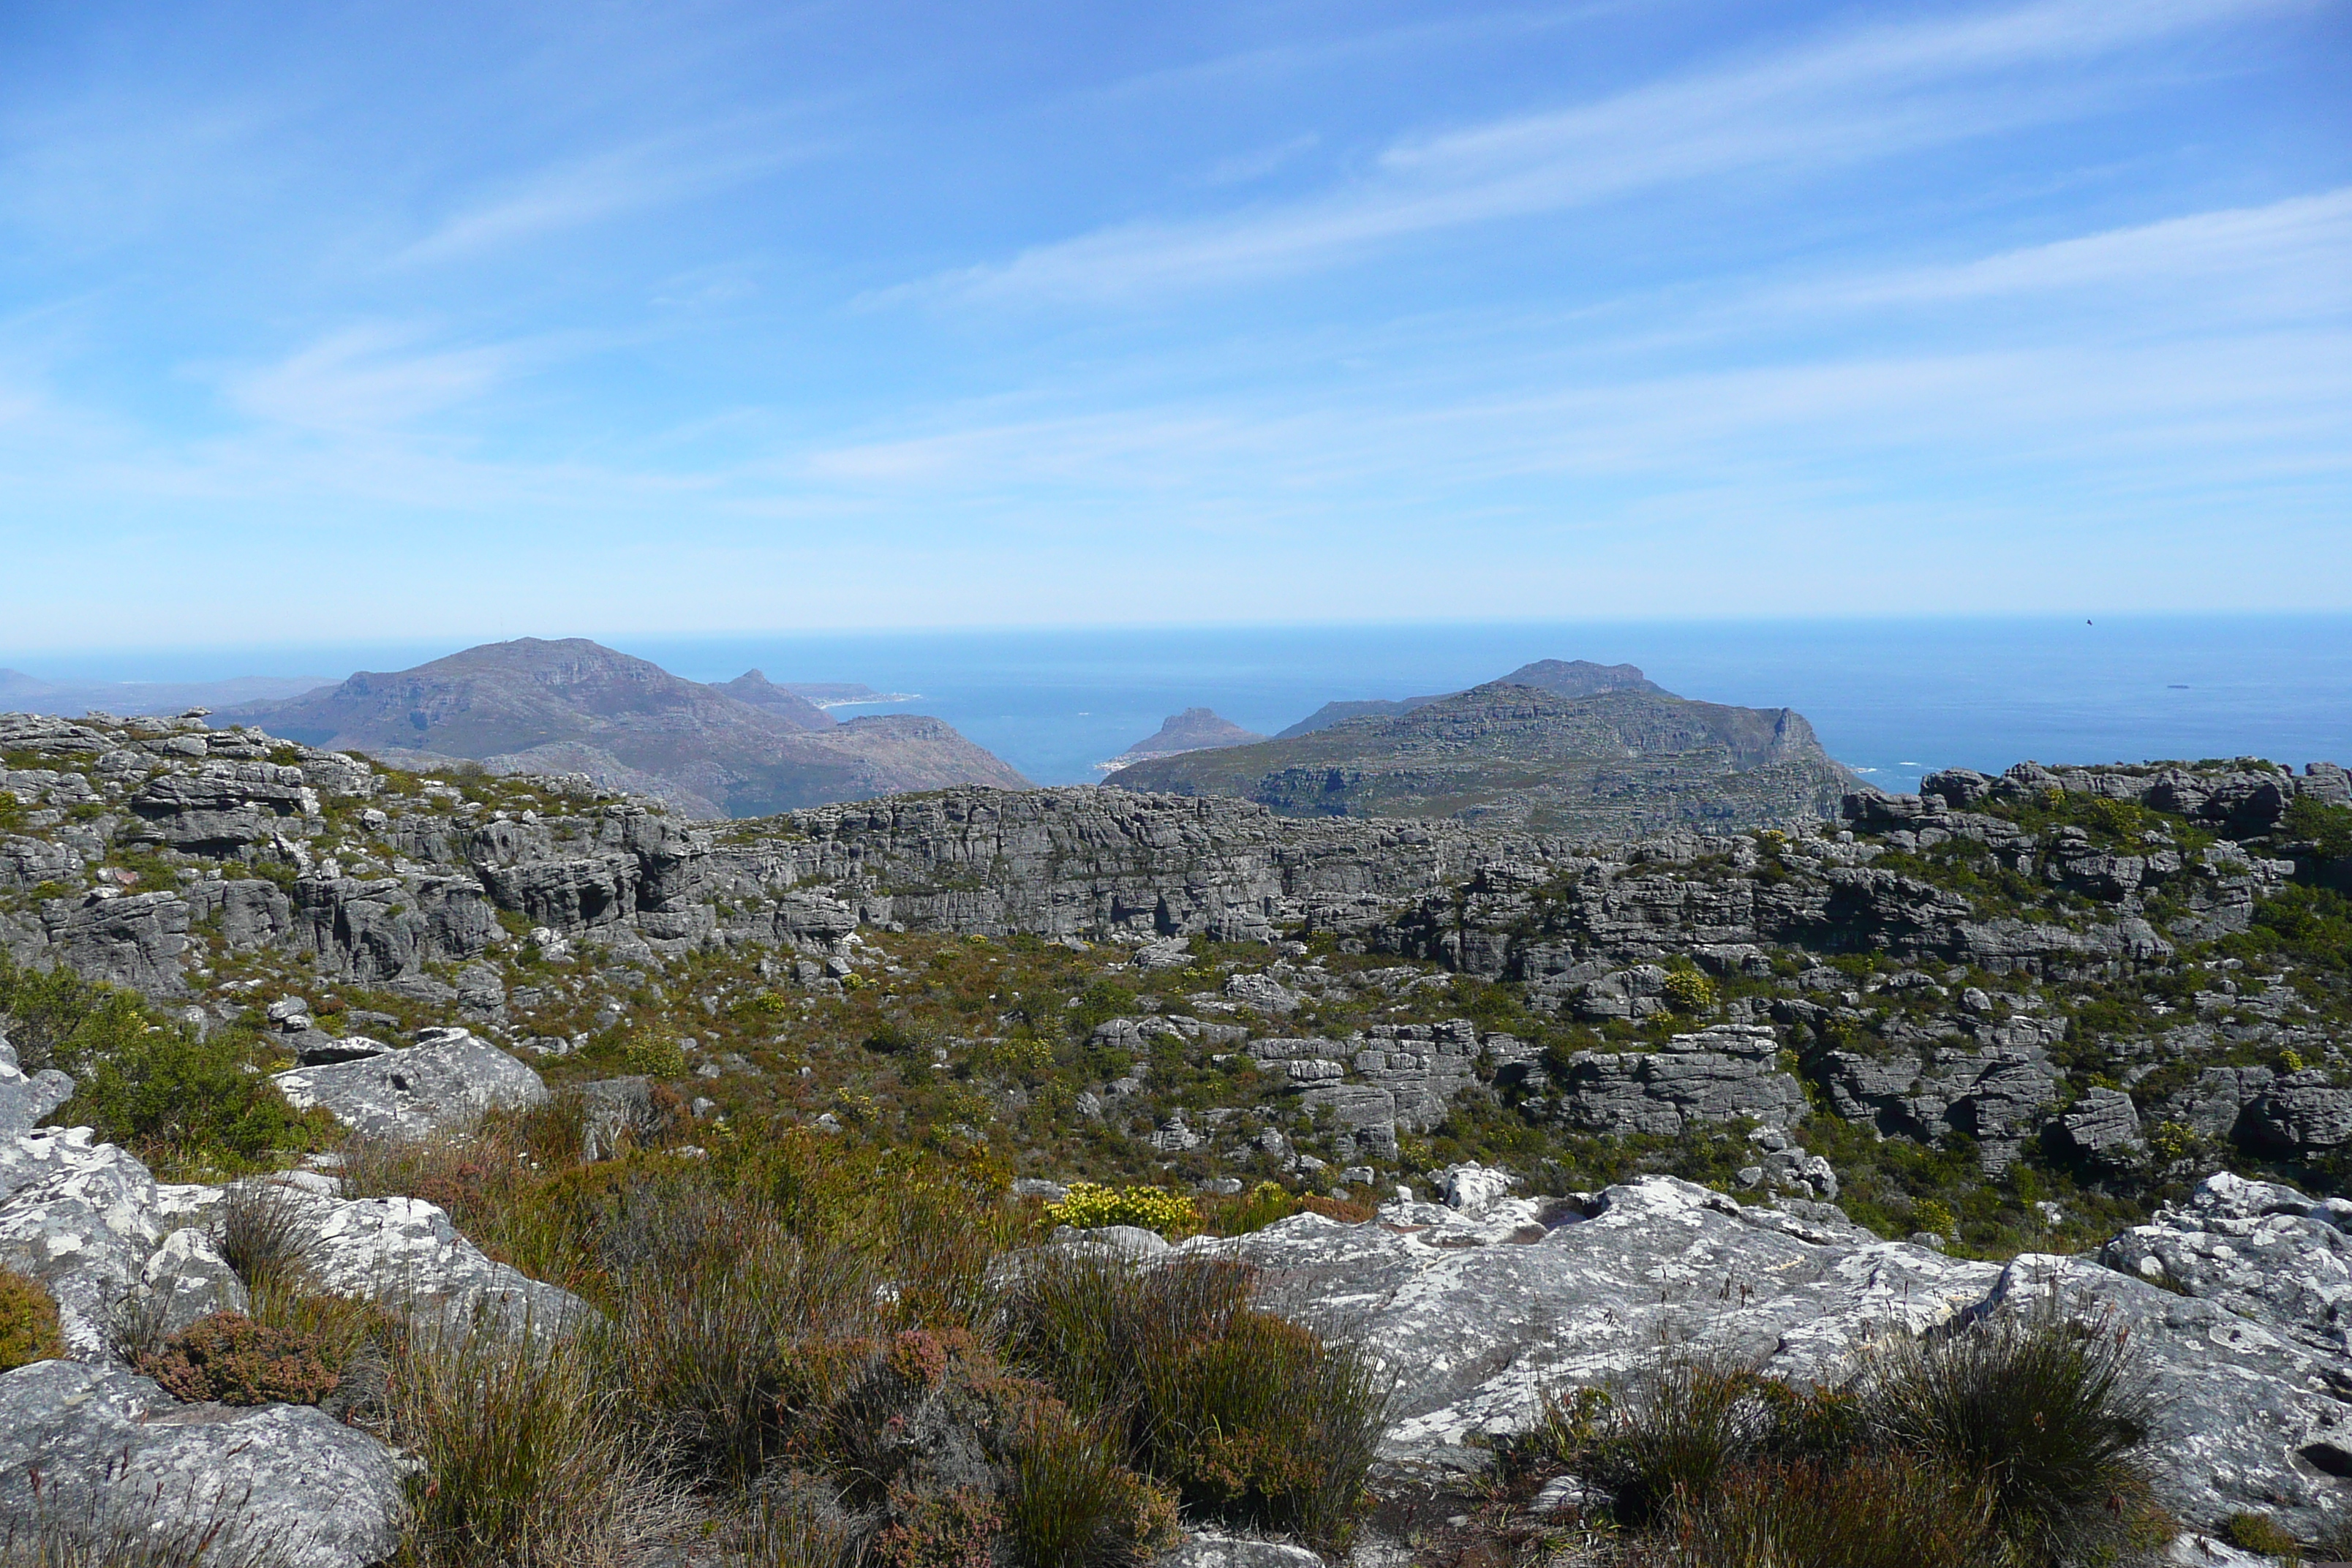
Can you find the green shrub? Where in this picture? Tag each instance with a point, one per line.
(1869, 1513)
(2261, 1534)
(2328, 827)
(262, 1232)
(2043, 1412)
(1688, 992)
(1254, 1419)
(175, 1095)
(1074, 1504)
(790, 1528)
(954, 1527)
(1677, 1430)
(55, 1018)
(229, 1359)
(657, 1056)
(1088, 1207)
(1261, 1206)
(731, 1347)
(28, 1322)
(1263, 1424)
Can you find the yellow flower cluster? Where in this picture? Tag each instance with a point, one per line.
(1088, 1207)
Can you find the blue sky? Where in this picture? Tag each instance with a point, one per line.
(336, 322)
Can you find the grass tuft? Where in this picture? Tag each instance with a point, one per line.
(529, 1462)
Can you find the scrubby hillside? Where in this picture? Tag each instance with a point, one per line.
(1616, 762)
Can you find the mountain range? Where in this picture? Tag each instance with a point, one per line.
(1573, 748)
(747, 748)
(31, 694)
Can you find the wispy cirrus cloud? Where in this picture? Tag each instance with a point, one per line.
(613, 185)
(1835, 102)
(2286, 256)
(371, 377)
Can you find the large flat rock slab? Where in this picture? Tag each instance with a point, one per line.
(446, 1080)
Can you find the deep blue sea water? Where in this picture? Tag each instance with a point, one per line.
(1892, 698)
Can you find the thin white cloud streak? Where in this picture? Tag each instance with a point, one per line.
(2160, 381)
(366, 378)
(592, 191)
(2290, 256)
(1861, 97)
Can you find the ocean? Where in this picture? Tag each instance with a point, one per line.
(1892, 699)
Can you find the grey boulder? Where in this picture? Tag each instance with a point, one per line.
(447, 1078)
(405, 1254)
(97, 1453)
(187, 1278)
(1214, 1549)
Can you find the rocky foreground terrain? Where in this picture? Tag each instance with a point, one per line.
(2080, 1031)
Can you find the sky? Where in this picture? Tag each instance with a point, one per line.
(426, 320)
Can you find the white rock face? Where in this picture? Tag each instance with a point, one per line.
(115, 1455)
(404, 1253)
(89, 1446)
(448, 1080)
(84, 1227)
(187, 1278)
(1214, 1549)
(1473, 1189)
(1477, 1316)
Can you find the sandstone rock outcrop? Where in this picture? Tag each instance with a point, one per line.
(445, 1079)
(2233, 1304)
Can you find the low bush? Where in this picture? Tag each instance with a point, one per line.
(2261, 1534)
(1090, 1207)
(262, 1232)
(2008, 1442)
(2041, 1411)
(181, 1099)
(527, 1457)
(1074, 1504)
(1689, 992)
(1250, 1418)
(793, 1525)
(55, 1018)
(1869, 1513)
(732, 1349)
(1677, 1431)
(229, 1359)
(28, 1322)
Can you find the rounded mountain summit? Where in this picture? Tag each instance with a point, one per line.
(1567, 747)
(749, 748)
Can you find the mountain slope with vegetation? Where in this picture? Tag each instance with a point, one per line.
(1618, 760)
(571, 705)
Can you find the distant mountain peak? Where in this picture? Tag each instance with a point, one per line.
(755, 687)
(1555, 746)
(1581, 677)
(749, 748)
(1193, 729)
